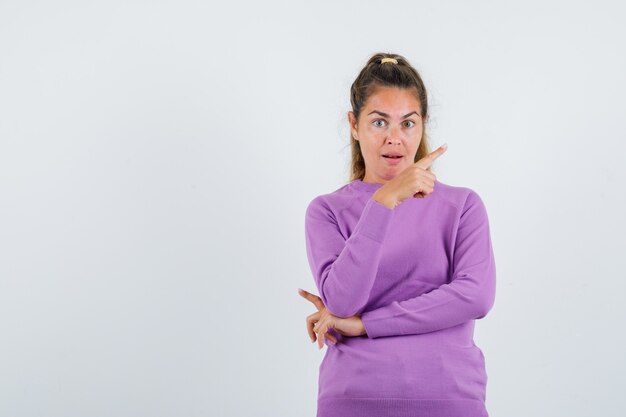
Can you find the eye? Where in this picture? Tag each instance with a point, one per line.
(378, 120)
(410, 121)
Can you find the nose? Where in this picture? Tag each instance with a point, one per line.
(394, 137)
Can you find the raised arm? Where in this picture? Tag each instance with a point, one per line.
(469, 295)
(345, 269)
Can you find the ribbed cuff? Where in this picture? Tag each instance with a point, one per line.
(374, 327)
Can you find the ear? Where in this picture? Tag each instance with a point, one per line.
(353, 125)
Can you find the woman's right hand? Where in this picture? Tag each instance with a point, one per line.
(414, 181)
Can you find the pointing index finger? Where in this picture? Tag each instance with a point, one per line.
(428, 160)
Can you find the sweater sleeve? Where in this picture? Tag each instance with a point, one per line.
(469, 295)
(345, 269)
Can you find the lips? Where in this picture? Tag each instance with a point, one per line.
(392, 155)
(392, 161)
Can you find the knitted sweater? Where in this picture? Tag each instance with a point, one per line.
(419, 275)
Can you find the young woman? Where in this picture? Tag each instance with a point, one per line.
(401, 279)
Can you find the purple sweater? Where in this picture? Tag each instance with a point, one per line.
(419, 275)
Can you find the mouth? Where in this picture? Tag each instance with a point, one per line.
(393, 159)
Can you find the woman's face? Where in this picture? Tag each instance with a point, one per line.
(390, 122)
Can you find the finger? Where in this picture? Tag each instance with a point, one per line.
(319, 334)
(328, 334)
(428, 160)
(312, 298)
(310, 324)
(325, 332)
(309, 328)
(424, 193)
(425, 187)
(430, 176)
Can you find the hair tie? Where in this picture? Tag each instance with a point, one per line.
(392, 60)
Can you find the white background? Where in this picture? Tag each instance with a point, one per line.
(156, 159)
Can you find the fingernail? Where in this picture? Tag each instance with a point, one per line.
(445, 145)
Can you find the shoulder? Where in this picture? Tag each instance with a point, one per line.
(461, 197)
(332, 202)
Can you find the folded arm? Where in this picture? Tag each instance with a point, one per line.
(469, 295)
(345, 269)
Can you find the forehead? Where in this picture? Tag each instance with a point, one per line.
(393, 101)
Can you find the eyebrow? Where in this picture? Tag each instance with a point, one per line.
(386, 115)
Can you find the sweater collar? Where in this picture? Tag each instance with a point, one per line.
(366, 186)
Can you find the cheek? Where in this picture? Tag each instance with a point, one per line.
(372, 156)
(418, 138)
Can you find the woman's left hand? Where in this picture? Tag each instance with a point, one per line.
(318, 324)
